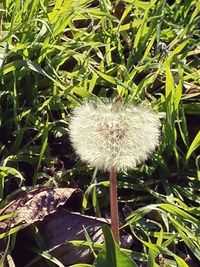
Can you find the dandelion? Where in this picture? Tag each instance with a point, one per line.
(114, 136)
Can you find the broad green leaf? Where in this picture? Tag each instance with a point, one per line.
(107, 77)
(164, 250)
(133, 254)
(195, 144)
(192, 245)
(3, 217)
(81, 265)
(43, 149)
(4, 172)
(177, 50)
(169, 85)
(49, 257)
(112, 255)
(13, 230)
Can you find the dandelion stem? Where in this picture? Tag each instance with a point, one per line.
(114, 204)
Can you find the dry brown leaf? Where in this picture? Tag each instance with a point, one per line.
(61, 227)
(36, 203)
(51, 211)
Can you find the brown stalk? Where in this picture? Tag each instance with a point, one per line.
(114, 204)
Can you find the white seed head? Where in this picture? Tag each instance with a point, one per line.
(114, 135)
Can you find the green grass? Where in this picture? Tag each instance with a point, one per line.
(55, 53)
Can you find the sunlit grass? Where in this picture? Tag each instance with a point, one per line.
(53, 54)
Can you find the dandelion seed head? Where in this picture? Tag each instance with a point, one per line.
(114, 135)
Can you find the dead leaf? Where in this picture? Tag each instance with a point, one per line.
(36, 203)
(52, 212)
(59, 228)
